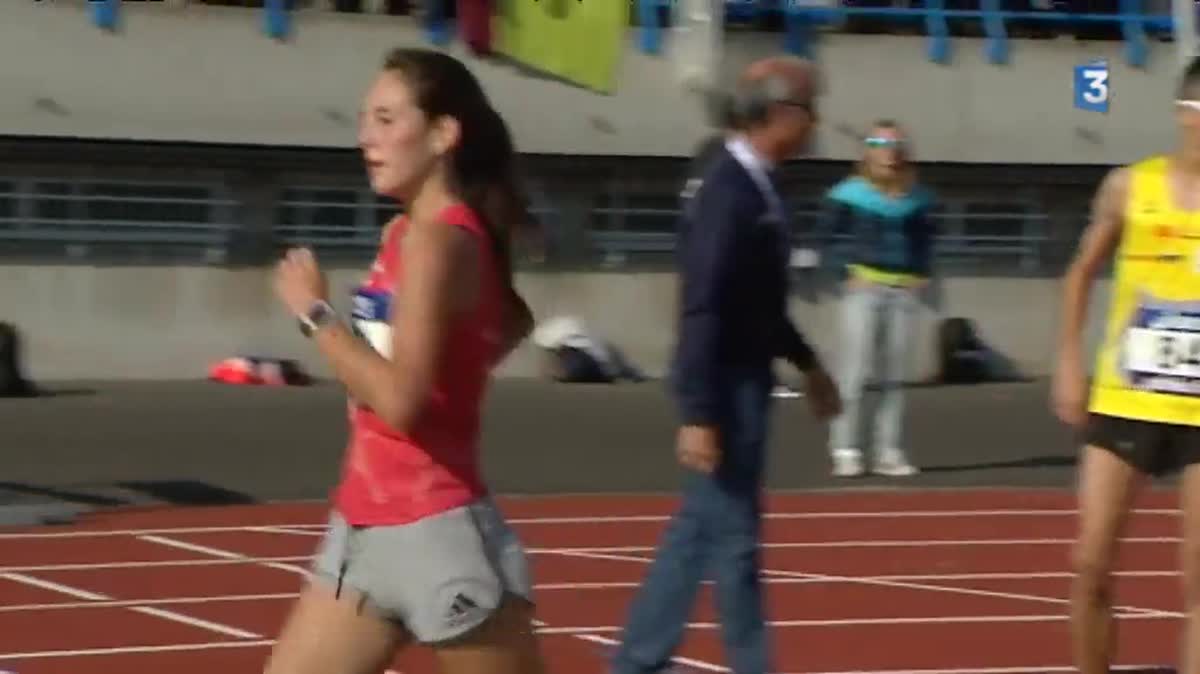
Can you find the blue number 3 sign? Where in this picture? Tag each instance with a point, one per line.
(1092, 86)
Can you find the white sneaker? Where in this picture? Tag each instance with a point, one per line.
(847, 462)
(892, 462)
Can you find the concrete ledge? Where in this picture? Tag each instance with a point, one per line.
(162, 323)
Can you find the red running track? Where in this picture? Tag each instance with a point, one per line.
(944, 582)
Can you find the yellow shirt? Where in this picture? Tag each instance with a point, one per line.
(1148, 366)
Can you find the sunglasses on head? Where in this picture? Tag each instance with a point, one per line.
(880, 142)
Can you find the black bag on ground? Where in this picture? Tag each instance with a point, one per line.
(576, 366)
(961, 354)
(12, 383)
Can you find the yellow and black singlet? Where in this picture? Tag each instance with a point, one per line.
(1148, 365)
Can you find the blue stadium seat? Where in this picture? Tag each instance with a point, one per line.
(104, 13)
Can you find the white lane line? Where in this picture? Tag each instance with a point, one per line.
(999, 618)
(892, 583)
(196, 622)
(852, 622)
(230, 554)
(125, 650)
(555, 587)
(592, 519)
(842, 514)
(678, 659)
(872, 543)
(1031, 669)
(221, 553)
(304, 559)
(312, 533)
(79, 593)
(109, 533)
(192, 547)
(55, 587)
(286, 530)
(148, 564)
(161, 601)
(1019, 575)
(602, 629)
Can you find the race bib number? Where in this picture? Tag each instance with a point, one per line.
(371, 319)
(1162, 351)
(1167, 352)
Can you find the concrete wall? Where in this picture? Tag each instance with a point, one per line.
(208, 74)
(170, 323)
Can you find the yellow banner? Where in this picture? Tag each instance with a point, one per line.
(580, 41)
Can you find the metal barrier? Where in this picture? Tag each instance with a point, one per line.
(340, 222)
(107, 219)
(967, 235)
(78, 215)
(802, 17)
(335, 220)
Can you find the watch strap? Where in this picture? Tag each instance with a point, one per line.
(319, 315)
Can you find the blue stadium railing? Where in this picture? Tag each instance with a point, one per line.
(802, 18)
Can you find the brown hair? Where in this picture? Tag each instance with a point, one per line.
(908, 172)
(482, 168)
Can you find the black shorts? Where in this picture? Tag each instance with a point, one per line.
(1152, 447)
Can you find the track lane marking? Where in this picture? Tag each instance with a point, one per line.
(223, 553)
(892, 583)
(309, 527)
(164, 614)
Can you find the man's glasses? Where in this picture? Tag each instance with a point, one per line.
(1194, 106)
(806, 106)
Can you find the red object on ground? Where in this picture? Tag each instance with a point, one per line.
(256, 371)
(901, 582)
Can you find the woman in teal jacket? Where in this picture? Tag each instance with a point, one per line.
(880, 215)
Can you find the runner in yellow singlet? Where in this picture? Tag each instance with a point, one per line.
(1142, 417)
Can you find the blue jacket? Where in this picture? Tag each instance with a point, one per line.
(733, 262)
(888, 234)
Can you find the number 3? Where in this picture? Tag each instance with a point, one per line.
(1097, 85)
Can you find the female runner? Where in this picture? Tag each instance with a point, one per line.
(416, 551)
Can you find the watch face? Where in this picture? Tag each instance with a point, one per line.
(320, 314)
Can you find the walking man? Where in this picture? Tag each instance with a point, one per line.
(734, 249)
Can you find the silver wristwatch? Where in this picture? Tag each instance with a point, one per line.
(319, 315)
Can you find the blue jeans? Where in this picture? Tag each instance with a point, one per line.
(716, 529)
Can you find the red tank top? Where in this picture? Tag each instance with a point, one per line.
(395, 478)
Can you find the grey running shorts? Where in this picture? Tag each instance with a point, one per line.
(439, 577)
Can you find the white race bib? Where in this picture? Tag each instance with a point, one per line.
(1156, 351)
(372, 319)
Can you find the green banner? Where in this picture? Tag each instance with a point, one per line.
(580, 41)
